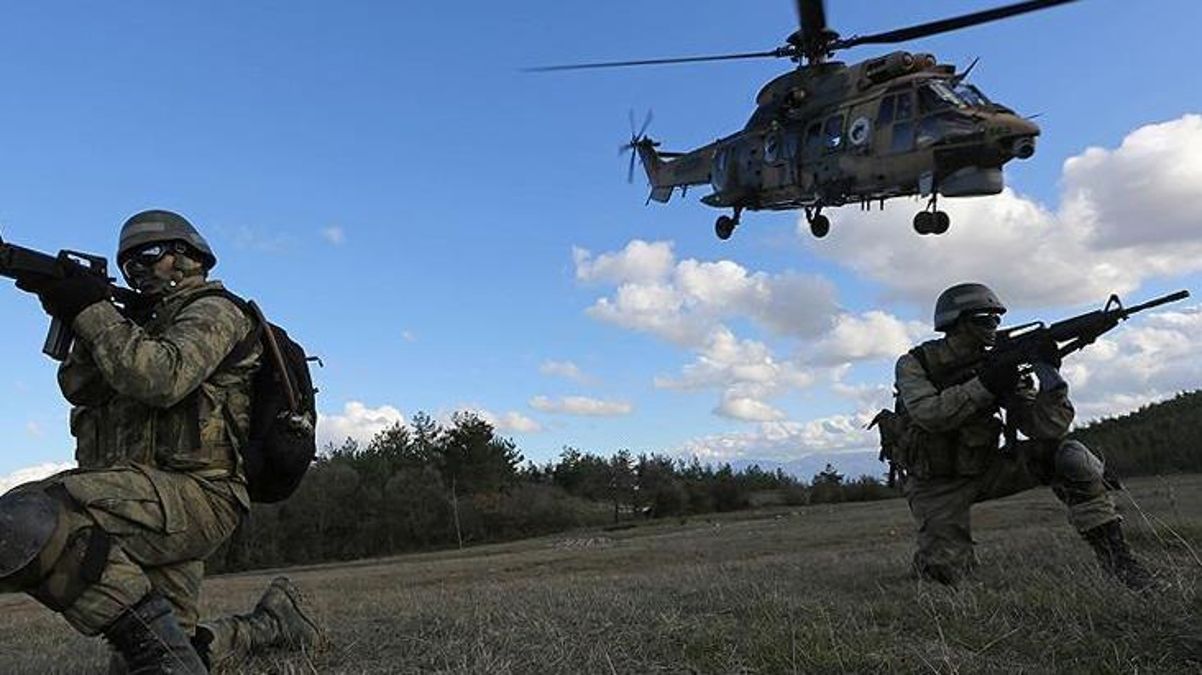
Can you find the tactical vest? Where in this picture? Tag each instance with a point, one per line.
(966, 450)
(198, 435)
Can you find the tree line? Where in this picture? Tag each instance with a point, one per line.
(428, 485)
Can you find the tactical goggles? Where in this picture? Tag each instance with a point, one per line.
(985, 319)
(144, 258)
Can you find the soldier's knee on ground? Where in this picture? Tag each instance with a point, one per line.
(32, 532)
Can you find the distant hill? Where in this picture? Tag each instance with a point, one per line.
(1164, 437)
(850, 464)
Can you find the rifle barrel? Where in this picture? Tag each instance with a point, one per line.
(1156, 302)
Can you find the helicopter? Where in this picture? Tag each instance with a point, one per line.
(828, 134)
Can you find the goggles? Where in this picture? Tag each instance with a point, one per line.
(985, 319)
(144, 258)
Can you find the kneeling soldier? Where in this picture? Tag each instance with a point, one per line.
(161, 394)
(951, 450)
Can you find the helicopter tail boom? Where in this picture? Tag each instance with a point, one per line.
(667, 171)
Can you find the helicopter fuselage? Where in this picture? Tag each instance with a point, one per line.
(830, 134)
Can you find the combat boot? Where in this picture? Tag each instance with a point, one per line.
(281, 618)
(1116, 557)
(150, 641)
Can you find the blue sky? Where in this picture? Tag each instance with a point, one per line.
(448, 232)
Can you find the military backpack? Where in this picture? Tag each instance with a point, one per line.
(282, 440)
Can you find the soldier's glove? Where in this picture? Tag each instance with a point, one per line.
(999, 378)
(1049, 353)
(65, 298)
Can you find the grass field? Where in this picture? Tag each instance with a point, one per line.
(821, 589)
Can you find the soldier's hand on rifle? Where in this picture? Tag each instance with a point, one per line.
(65, 298)
(1049, 353)
(999, 377)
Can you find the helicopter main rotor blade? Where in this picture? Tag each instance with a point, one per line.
(945, 25)
(780, 52)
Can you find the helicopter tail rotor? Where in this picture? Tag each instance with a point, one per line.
(638, 138)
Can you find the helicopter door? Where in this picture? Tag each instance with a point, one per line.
(895, 122)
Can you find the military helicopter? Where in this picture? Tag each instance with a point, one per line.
(828, 134)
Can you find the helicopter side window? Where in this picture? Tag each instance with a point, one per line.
(832, 133)
(905, 107)
(813, 138)
(885, 114)
(772, 148)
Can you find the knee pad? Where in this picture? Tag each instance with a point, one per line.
(1077, 463)
(28, 521)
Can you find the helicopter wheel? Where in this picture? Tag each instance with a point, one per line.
(940, 222)
(820, 226)
(724, 227)
(924, 222)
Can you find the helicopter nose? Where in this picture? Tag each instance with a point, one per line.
(1019, 137)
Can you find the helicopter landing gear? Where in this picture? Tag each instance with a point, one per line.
(931, 220)
(820, 225)
(725, 225)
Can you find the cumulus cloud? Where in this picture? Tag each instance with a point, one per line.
(581, 405)
(639, 262)
(357, 422)
(871, 335)
(784, 440)
(334, 235)
(1126, 215)
(747, 409)
(564, 369)
(684, 301)
(32, 473)
(507, 422)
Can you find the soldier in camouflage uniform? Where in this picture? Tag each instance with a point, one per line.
(951, 450)
(161, 396)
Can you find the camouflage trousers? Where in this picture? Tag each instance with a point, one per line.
(941, 504)
(155, 527)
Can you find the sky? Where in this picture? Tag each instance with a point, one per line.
(450, 233)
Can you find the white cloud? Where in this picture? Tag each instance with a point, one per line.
(871, 335)
(639, 262)
(684, 302)
(32, 473)
(1126, 215)
(564, 369)
(334, 235)
(747, 409)
(357, 421)
(784, 440)
(507, 422)
(581, 405)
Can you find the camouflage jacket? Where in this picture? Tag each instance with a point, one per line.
(959, 419)
(163, 393)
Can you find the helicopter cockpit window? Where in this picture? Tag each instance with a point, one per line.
(832, 132)
(936, 95)
(972, 96)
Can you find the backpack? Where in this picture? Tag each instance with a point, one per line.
(282, 441)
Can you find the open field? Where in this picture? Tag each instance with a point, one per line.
(819, 589)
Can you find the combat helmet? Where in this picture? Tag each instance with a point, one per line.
(159, 226)
(962, 298)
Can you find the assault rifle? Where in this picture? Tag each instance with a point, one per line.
(23, 264)
(1028, 343)
(1023, 344)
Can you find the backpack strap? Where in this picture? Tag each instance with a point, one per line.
(247, 344)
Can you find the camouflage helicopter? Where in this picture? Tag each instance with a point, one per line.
(828, 134)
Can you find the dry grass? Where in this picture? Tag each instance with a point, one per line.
(809, 590)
